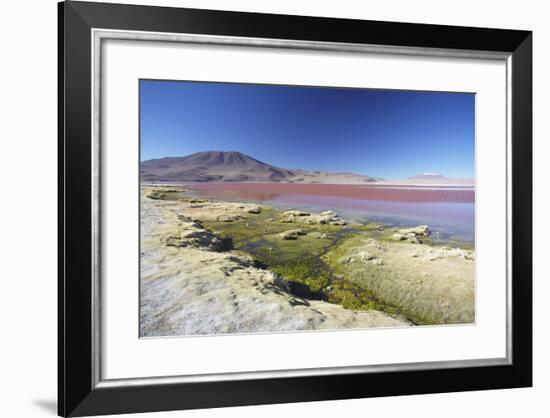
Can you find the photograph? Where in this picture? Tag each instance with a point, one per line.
(278, 208)
(284, 208)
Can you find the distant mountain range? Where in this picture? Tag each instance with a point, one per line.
(433, 179)
(235, 167)
(428, 176)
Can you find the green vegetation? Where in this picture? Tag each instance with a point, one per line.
(302, 262)
(426, 290)
(352, 297)
(298, 261)
(303, 272)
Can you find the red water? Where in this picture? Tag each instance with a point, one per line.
(270, 191)
(448, 209)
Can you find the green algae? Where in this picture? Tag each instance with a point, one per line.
(301, 262)
(401, 283)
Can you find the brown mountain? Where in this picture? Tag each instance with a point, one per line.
(212, 166)
(234, 166)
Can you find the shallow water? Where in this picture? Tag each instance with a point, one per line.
(449, 211)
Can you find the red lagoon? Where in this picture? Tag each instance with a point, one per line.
(447, 209)
(270, 191)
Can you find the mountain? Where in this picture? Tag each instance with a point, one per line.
(212, 166)
(428, 176)
(234, 166)
(429, 179)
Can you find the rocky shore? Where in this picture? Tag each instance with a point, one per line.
(210, 267)
(193, 282)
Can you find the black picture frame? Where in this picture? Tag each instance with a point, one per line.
(78, 394)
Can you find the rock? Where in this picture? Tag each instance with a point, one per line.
(365, 256)
(409, 237)
(421, 230)
(319, 235)
(292, 234)
(276, 280)
(329, 217)
(284, 235)
(296, 213)
(194, 235)
(155, 194)
(346, 259)
(324, 218)
(186, 218)
(413, 239)
(399, 237)
(161, 192)
(372, 243)
(243, 260)
(219, 211)
(446, 252)
(380, 228)
(338, 221)
(229, 218)
(369, 258)
(188, 222)
(467, 256)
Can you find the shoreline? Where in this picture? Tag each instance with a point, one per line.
(392, 206)
(322, 254)
(466, 184)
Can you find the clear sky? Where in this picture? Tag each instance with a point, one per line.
(381, 133)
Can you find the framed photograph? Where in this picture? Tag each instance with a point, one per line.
(265, 208)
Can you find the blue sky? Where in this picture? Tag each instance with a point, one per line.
(381, 133)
